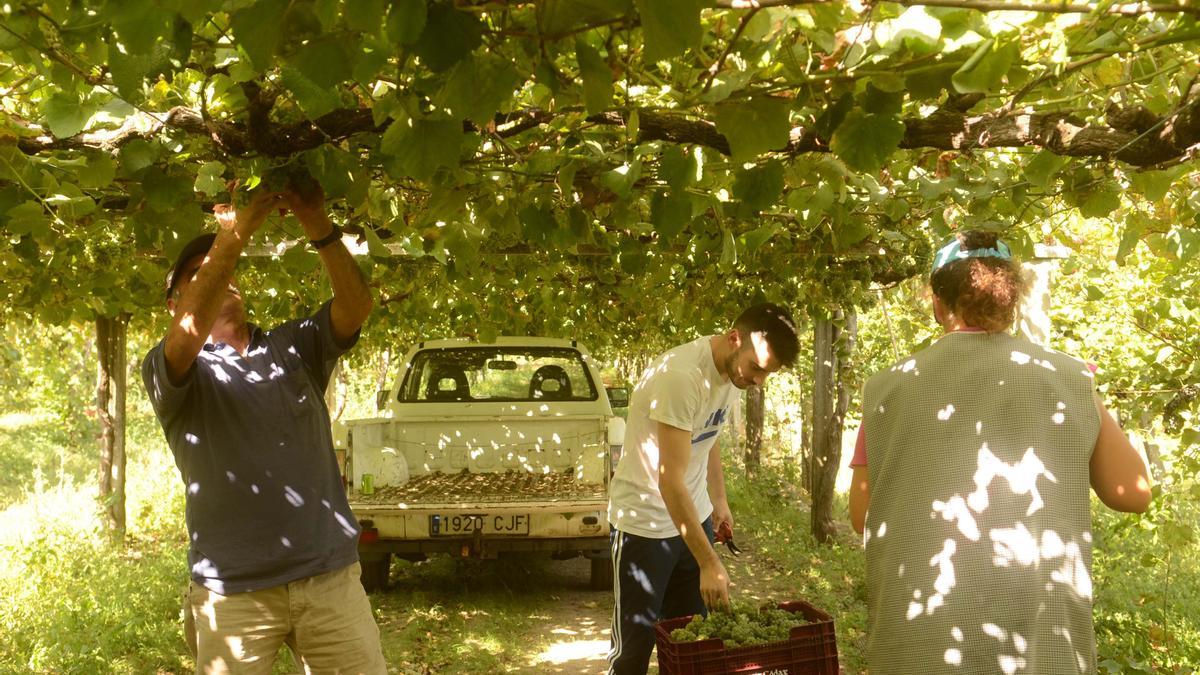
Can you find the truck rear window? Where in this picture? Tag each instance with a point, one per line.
(498, 374)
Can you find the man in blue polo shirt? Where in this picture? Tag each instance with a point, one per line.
(273, 551)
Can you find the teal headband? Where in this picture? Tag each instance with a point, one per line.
(954, 251)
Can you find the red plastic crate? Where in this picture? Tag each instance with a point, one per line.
(810, 650)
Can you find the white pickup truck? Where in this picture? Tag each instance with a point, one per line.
(484, 449)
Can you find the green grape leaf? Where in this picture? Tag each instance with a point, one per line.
(98, 172)
(851, 231)
(326, 62)
(538, 223)
(914, 25)
(365, 16)
(833, 116)
(166, 190)
(449, 36)
(209, 178)
(928, 84)
(671, 27)
(405, 21)
(756, 238)
(678, 167)
(881, 101)
(375, 245)
(754, 127)
(139, 25)
(478, 87)
(370, 56)
(670, 213)
(729, 250)
(419, 147)
(622, 178)
(864, 141)
(985, 70)
(129, 71)
(1153, 185)
(65, 114)
(560, 16)
(258, 30)
(1041, 170)
(28, 218)
(137, 155)
(597, 78)
(71, 204)
(1100, 202)
(760, 187)
(314, 99)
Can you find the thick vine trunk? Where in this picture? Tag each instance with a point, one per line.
(110, 406)
(832, 346)
(755, 412)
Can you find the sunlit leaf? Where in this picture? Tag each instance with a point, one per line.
(983, 72)
(65, 115)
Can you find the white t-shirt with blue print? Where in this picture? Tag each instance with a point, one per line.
(681, 388)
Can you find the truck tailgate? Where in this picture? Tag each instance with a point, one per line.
(463, 490)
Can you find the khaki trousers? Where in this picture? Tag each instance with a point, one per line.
(326, 620)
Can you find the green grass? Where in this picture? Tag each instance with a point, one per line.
(71, 602)
(38, 451)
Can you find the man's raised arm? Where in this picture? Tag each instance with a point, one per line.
(197, 300)
(352, 300)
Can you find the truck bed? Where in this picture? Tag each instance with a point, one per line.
(497, 487)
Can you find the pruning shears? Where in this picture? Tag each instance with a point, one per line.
(724, 535)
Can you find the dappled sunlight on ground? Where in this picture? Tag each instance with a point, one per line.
(526, 616)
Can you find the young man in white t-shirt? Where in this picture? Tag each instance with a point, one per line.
(667, 497)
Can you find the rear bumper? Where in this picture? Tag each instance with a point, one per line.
(590, 547)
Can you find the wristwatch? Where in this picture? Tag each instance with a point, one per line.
(328, 239)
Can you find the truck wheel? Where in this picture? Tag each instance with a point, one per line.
(375, 572)
(602, 574)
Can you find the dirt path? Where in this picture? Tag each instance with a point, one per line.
(520, 616)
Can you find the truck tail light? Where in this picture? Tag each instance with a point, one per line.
(614, 456)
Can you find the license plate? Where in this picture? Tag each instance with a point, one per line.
(468, 524)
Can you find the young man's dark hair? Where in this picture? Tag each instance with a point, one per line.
(777, 328)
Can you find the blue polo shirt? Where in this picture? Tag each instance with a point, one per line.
(251, 436)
